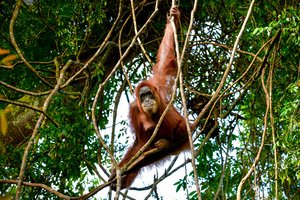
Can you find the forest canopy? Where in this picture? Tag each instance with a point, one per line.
(68, 70)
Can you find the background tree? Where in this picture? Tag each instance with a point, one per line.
(65, 65)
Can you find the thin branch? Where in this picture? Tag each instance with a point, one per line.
(135, 30)
(24, 91)
(7, 66)
(38, 124)
(117, 98)
(206, 138)
(95, 124)
(238, 50)
(115, 113)
(93, 192)
(120, 52)
(179, 63)
(116, 104)
(153, 187)
(272, 126)
(37, 185)
(21, 104)
(251, 64)
(223, 94)
(238, 197)
(93, 167)
(218, 90)
(224, 164)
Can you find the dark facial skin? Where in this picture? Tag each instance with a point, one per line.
(148, 101)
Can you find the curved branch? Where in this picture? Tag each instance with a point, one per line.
(14, 43)
(106, 80)
(238, 50)
(218, 90)
(239, 189)
(135, 30)
(38, 185)
(179, 62)
(38, 124)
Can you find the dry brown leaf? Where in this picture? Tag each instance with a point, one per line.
(3, 122)
(4, 51)
(7, 60)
